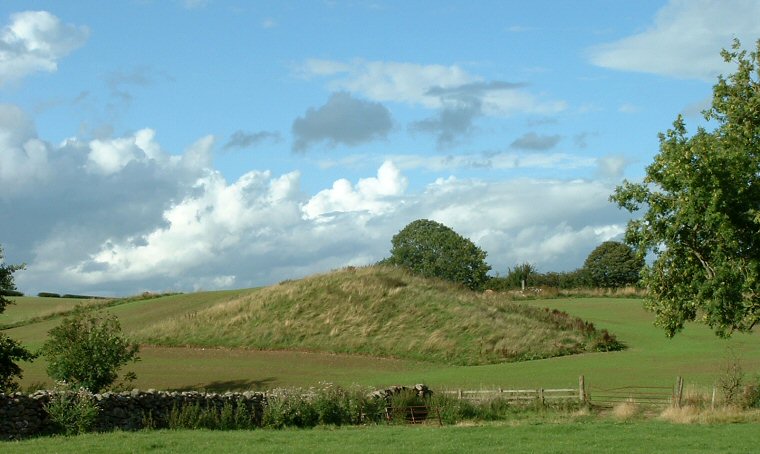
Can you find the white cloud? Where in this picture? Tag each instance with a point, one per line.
(685, 39)
(149, 220)
(23, 157)
(374, 195)
(391, 81)
(35, 41)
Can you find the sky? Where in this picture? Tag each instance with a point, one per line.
(211, 144)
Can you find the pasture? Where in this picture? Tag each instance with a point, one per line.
(580, 436)
(650, 358)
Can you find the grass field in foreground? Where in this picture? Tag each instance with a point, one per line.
(578, 437)
(651, 358)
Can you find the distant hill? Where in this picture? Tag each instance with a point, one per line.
(380, 311)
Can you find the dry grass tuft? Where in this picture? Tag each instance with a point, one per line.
(721, 415)
(626, 410)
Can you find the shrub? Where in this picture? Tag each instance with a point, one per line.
(87, 350)
(72, 412)
(613, 264)
(431, 249)
(8, 292)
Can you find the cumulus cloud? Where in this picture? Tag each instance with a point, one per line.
(535, 142)
(373, 195)
(23, 157)
(122, 215)
(684, 40)
(243, 139)
(342, 120)
(35, 41)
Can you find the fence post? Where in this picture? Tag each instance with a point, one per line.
(459, 394)
(582, 389)
(712, 402)
(679, 392)
(541, 396)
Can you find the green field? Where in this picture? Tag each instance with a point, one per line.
(578, 437)
(650, 359)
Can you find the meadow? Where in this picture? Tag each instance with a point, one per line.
(579, 436)
(650, 358)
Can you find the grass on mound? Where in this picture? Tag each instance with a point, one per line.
(382, 311)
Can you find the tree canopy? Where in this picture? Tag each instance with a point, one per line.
(432, 249)
(612, 264)
(701, 202)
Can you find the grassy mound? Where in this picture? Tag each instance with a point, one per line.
(382, 311)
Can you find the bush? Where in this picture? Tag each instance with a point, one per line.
(72, 412)
(11, 351)
(613, 264)
(8, 292)
(87, 350)
(431, 249)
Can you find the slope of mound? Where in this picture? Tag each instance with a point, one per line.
(382, 311)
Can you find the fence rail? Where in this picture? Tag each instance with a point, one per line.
(645, 395)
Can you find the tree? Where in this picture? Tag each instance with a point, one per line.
(520, 275)
(612, 264)
(86, 350)
(431, 249)
(10, 351)
(701, 197)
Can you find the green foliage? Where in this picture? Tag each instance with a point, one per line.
(10, 350)
(702, 218)
(521, 275)
(48, 295)
(10, 353)
(612, 264)
(6, 280)
(327, 405)
(431, 249)
(86, 350)
(5, 292)
(73, 412)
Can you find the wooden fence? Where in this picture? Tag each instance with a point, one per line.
(639, 394)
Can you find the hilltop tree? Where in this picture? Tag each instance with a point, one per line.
(431, 249)
(87, 350)
(612, 264)
(10, 350)
(701, 197)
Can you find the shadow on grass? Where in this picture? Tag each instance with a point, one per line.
(232, 385)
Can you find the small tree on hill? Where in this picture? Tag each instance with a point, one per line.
(431, 249)
(612, 264)
(10, 351)
(87, 350)
(701, 219)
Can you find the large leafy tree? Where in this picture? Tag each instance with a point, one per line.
(612, 264)
(10, 350)
(701, 220)
(87, 350)
(432, 249)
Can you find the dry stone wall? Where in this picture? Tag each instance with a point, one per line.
(23, 415)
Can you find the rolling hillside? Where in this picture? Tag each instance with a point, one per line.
(380, 311)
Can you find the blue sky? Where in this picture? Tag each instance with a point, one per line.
(186, 145)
